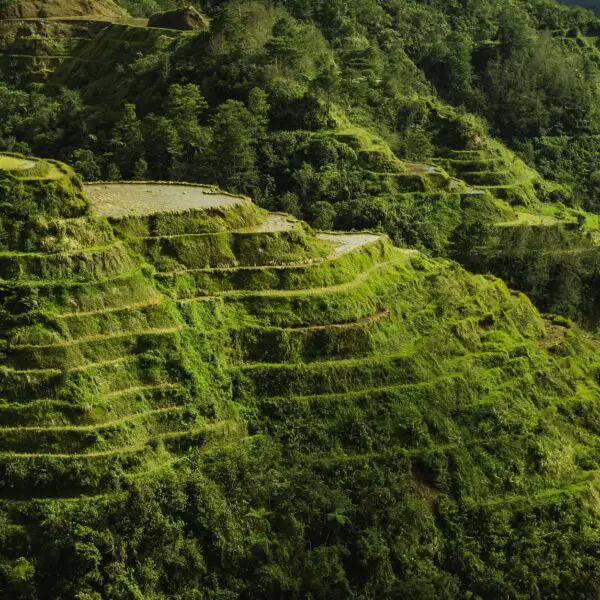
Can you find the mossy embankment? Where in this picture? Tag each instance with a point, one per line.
(35, 9)
(94, 356)
(223, 380)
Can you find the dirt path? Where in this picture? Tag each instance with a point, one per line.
(275, 222)
(348, 242)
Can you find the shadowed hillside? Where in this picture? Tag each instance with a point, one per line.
(592, 4)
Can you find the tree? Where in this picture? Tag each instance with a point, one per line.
(85, 163)
(164, 148)
(185, 103)
(188, 139)
(127, 140)
(285, 47)
(233, 154)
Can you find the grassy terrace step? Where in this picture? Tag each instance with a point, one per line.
(228, 249)
(588, 482)
(408, 416)
(137, 316)
(17, 385)
(120, 432)
(342, 303)
(421, 179)
(311, 291)
(520, 193)
(343, 340)
(148, 302)
(105, 381)
(55, 194)
(70, 295)
(411, 365)
(449, 388)
(89, 263)
(333, 376)
(94, 472)
(207, 220)
(432, 195)
(395, 454)
(115, 405)
(335, 270)
(92, 348)
(379, 289)
(152, 312)
(93, 379)
(469, 154)
(488, 178)
(262, 223)
(482, 163)
(56, 235)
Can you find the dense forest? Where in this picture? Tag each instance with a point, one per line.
(357, 425)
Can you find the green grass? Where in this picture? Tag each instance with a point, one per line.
(13, 163)
(143, 347)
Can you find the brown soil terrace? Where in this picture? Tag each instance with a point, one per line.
(143, 199)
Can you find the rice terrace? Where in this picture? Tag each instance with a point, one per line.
(299, 300)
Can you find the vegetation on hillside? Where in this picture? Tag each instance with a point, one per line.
(349, 115)
(222, 404)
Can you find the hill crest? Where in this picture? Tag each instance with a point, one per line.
(48, 9)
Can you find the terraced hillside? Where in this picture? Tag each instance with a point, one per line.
(94, 358)
(174, 354)
(495, 170)
(76, 51)
(443, 201)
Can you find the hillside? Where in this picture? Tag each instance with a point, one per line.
(239, 390)
(347, 128)
(35, 9)
(273, 347)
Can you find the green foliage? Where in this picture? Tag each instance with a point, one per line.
(220, 403)
(199, 405)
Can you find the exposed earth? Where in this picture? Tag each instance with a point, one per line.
(139, 199)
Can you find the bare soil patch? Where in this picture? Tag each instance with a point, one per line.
(142, 199)
(348, 242)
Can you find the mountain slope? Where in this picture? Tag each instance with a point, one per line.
(265, 406)
(35, 9)
(345, 130)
